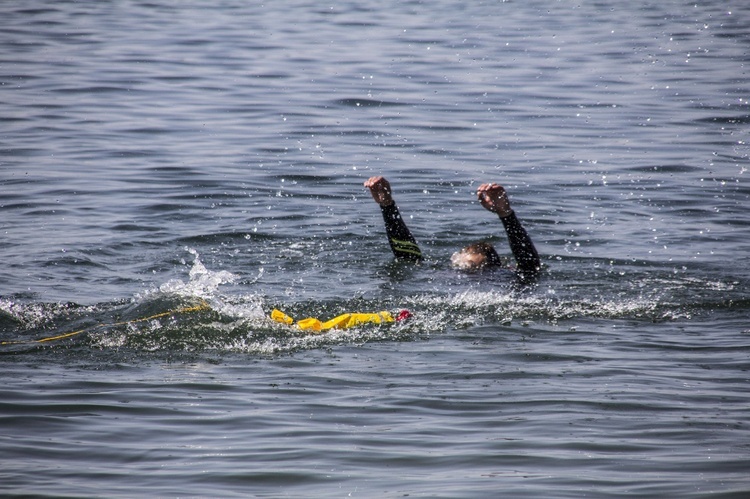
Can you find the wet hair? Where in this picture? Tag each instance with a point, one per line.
(486, 249)
(477, 256)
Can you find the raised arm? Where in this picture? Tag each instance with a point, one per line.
(494, 198)
(402, 242)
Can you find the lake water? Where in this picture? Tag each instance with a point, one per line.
(171, 172)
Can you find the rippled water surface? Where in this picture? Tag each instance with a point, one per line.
(171, 172)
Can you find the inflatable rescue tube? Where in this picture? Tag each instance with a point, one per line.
(343, 321)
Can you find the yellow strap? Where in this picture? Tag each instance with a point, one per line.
(197, 308)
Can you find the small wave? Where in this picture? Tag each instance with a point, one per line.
(198, 315)
(30, 316)
(471, 307)
(366, 103)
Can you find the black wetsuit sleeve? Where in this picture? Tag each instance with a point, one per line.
(527, 258)
(402, 242)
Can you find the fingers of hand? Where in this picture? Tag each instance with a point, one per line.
(377, 183)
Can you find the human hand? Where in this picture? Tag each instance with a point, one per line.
(380, 190)
(494, 198)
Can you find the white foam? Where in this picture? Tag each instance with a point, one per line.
(203, 283)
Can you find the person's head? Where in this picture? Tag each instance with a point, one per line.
(476, 256)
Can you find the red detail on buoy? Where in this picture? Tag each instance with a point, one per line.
(403, 315)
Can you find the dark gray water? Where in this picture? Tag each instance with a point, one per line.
(159, 156)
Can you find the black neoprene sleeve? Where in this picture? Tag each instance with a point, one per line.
(523, 249)
(402, 242)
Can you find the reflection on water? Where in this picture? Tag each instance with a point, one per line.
(170, 173)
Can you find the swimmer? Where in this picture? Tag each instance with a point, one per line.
(473, 257)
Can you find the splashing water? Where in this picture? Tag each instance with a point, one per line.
(202, 282)
(196, 314)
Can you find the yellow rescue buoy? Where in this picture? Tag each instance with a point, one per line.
(343, 321)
